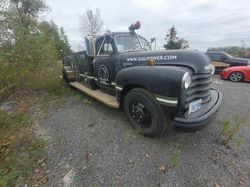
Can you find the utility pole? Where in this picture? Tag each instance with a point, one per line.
(243, 45)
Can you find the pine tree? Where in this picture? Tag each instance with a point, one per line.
(173, 41)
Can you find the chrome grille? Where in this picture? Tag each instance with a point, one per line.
(198, 89)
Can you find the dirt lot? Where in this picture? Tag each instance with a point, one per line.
(90, 144)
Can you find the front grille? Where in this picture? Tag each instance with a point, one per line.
(198, 89)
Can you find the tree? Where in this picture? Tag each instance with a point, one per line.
(58, 37)
(20, 33)
(91, 23)
(173, 41)
(25, 41)
(29, 7)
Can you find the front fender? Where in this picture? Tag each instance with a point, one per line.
(165, 82)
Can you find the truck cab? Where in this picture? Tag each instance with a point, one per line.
(152, 87)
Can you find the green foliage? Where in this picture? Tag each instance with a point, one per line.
(11, 121)
(176, 157)
(128, 135)
(229, 130)
(29, 48)
(83, 98)
(29, 7)
(57, 36)
(29, 53)
(173, 41)
(18, 148)
(232, 50)
(94, 184)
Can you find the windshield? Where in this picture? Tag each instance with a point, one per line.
(130, 43)
(228, 55)
(145, 45)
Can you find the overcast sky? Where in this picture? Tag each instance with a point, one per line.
(206, 23)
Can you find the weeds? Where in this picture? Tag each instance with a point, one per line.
(239, 143)
(230, 129)
(176, 157)
(83, 98)
(94, 184)
(128, 135)
(19, 150)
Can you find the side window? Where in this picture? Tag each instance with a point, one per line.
(216, 57)
(223, 57)
(99, 42)
(107, 47)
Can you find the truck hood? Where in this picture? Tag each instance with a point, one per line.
(194, 59)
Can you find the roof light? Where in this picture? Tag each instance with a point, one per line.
(108, 33)
(135, 26)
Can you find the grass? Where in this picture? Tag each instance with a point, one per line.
(94, 184)
(175, 159)
(82, 98)
(128, 135)
(20, 150)
(175, 154)
(229, 130)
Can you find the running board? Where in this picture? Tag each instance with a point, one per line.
(104, 98)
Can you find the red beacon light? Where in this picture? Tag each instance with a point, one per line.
(135, 26)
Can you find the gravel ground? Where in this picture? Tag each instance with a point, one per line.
(93, 145)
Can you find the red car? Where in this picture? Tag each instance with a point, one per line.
(236, 73)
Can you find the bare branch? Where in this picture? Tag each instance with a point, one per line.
(91, 23)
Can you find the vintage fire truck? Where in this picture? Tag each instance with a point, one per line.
(154, 88)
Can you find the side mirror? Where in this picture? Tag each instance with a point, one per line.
(152, 40)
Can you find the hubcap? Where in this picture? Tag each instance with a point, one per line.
(236, 76)
(140, 114)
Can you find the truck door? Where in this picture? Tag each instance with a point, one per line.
(104, 61)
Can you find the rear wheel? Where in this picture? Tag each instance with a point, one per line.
(236, 76)
(144, 112)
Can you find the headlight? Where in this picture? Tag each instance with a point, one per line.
(186, 80)
(211, 68)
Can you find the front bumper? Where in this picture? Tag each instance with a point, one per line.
(223, 75)
(198, 122)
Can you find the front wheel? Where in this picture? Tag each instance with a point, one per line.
(236, 76)
(144, 112)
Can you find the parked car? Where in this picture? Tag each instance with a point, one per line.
(223, 60)
(236, 74)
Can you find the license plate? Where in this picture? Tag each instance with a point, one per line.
(194, 106)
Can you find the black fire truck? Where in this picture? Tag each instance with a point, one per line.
(154, 88)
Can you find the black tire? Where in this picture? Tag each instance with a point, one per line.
(236, 76)
(153, 122)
